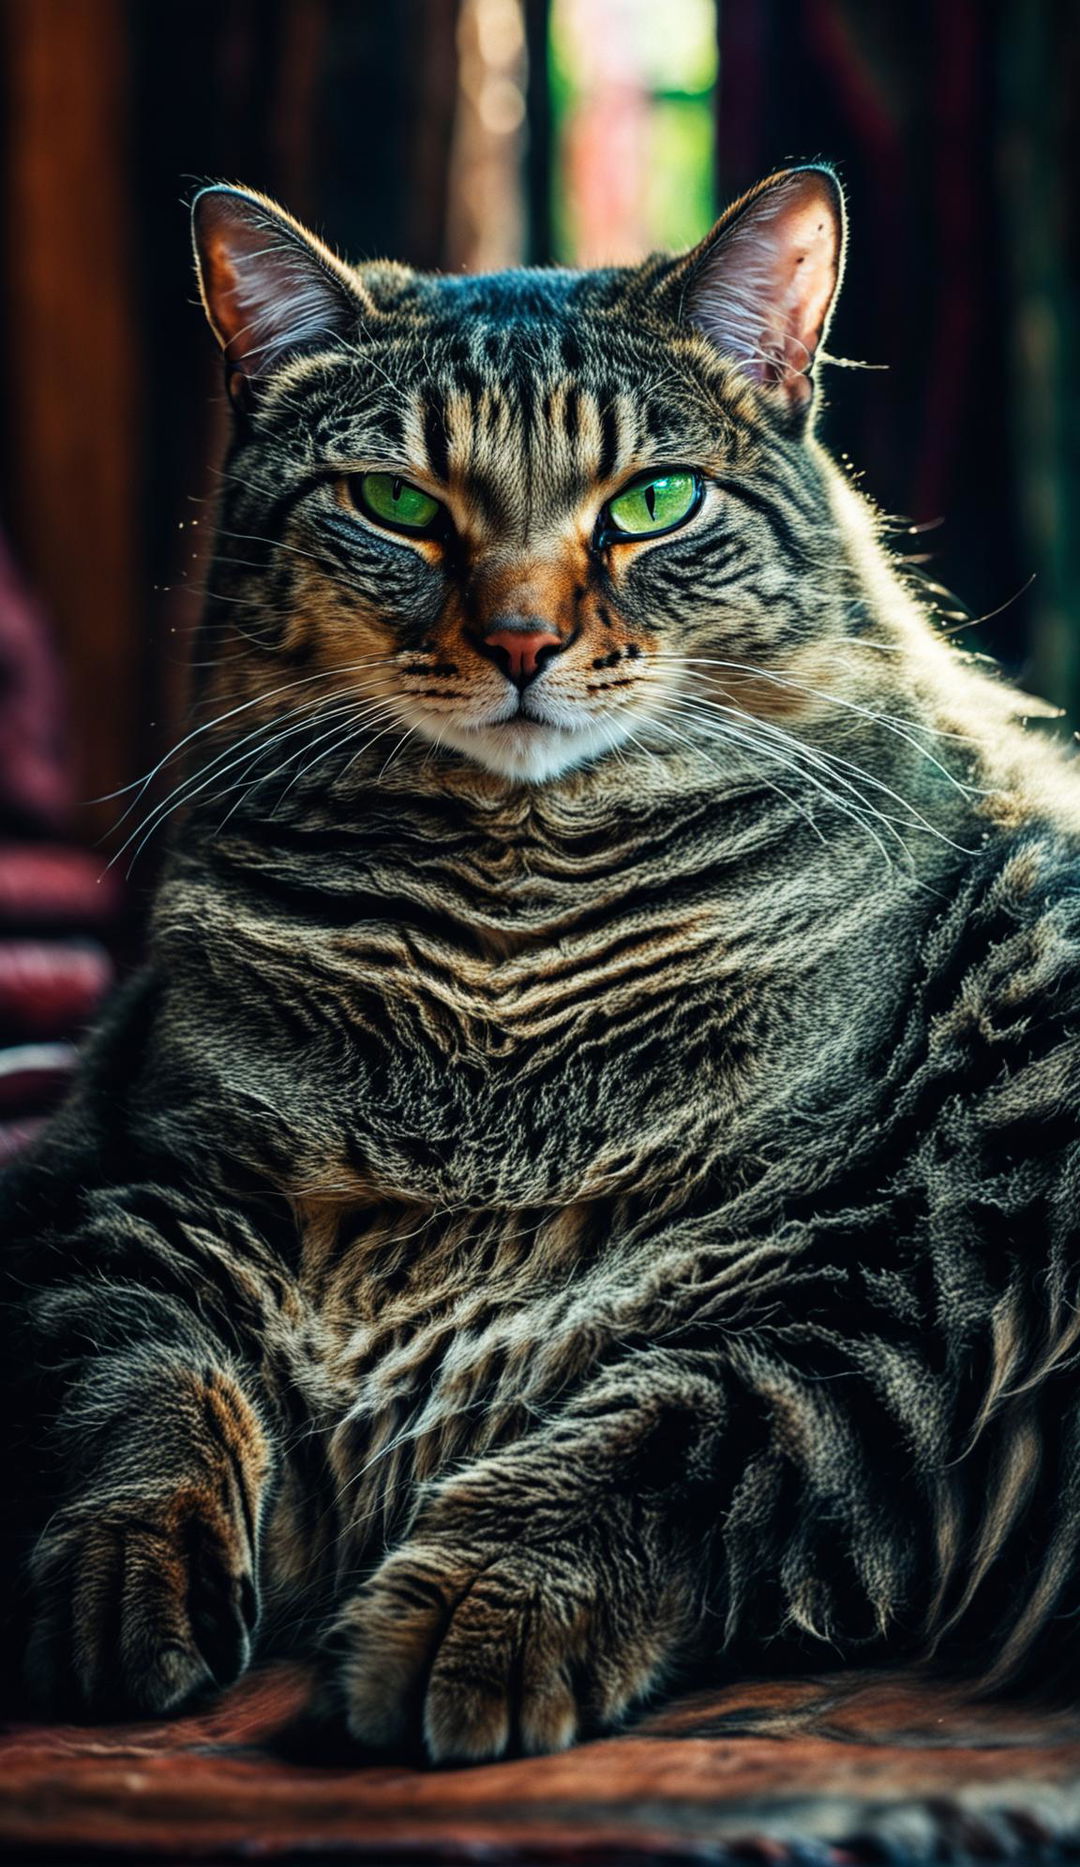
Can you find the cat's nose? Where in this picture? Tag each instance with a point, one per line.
(520, 649)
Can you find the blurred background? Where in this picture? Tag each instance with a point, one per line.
(476, 134)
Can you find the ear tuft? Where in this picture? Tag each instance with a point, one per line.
(762, 285)
(269, 288)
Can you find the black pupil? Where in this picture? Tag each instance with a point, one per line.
(395, 489)
(650, 500)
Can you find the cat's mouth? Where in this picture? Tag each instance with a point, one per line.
(528, 735)
(536, 721)
(524, 715)
(528, 722)
(531, 712)
(523, 743)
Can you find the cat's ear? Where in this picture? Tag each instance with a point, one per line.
(761, 286)
(269, 288)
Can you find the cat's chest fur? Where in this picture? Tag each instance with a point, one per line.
(433, 1063)
(513, 1016)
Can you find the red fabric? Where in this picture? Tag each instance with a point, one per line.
(840, 1770)
(32, 1076)
(35, 778)
(48, 987)
(45, 881)
(52, 981)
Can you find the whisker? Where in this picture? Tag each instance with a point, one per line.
(377, 711)
(208, 726)
(891, 721)
(270, 734)
(750, 739)
(256, 538)
(245, 786)
(681, 739)
(371, 710)
(832, 761)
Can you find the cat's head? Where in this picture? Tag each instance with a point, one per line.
(529, 516)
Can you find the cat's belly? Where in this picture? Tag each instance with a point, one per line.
(478, 1183)
(434, 1338)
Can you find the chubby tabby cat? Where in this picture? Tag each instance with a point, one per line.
(584, 1188)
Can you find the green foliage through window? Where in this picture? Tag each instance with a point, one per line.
(633, 85)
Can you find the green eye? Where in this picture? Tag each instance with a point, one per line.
(390, 500)
(655, 505)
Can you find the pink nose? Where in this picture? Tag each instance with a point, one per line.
(518, 651)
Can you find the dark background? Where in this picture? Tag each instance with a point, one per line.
(954, 126)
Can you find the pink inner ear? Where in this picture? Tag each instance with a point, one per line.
(267, 292)
(764, 291)
(811, 256)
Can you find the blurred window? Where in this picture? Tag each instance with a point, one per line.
(633, 85)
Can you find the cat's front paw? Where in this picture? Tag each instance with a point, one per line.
(483, 1651)
(141, 1601)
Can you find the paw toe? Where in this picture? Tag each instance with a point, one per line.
(465, 1721)
(550, 1717)
(137, 1611)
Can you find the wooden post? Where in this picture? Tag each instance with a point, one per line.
(71, 363)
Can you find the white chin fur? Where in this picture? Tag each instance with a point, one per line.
(519, 749)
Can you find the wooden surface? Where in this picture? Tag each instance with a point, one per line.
(834, 1770)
